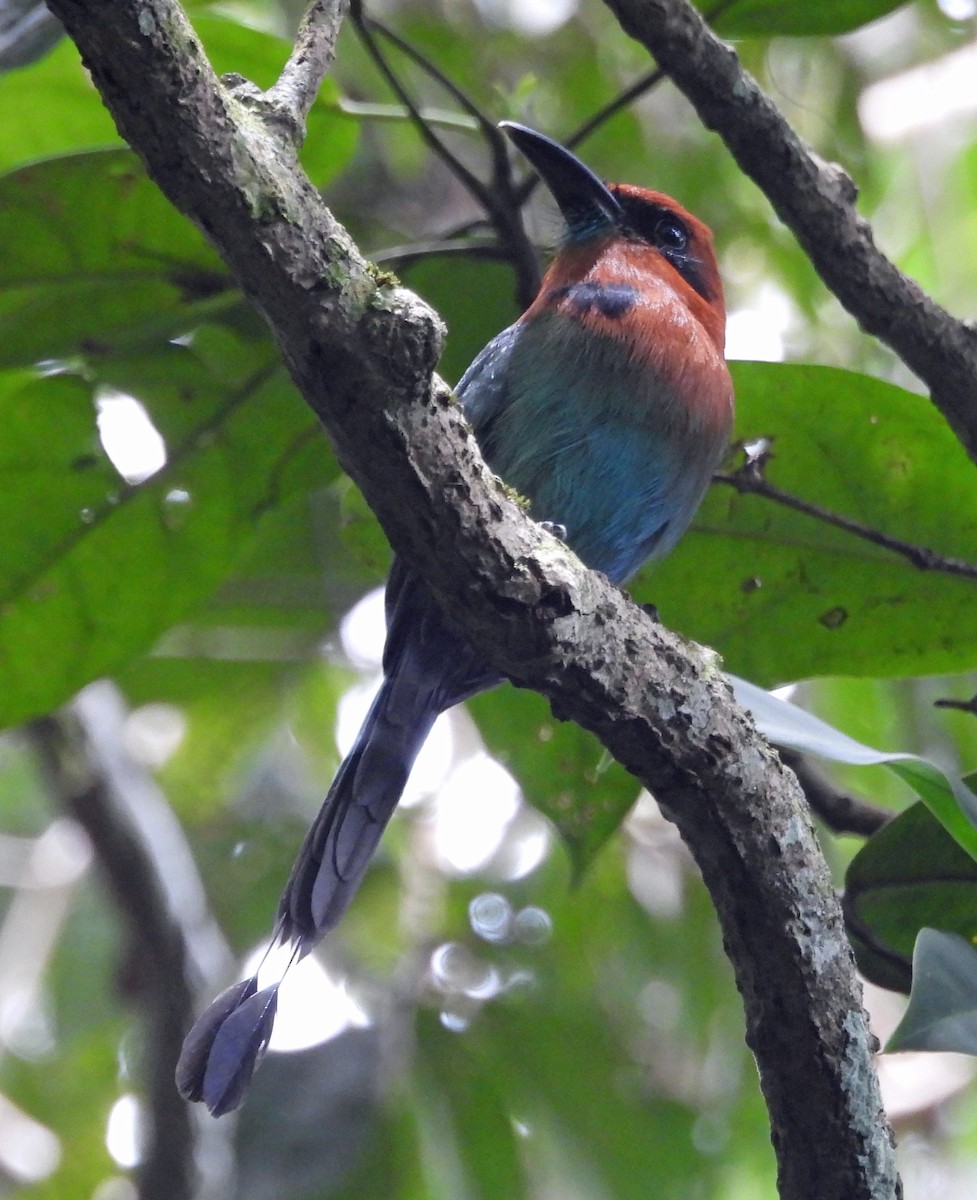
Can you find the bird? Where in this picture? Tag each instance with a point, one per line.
(608, 406)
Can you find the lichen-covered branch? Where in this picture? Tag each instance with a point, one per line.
(312, 55)
(362, 351)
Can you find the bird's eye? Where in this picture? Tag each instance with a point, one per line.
(671, 234)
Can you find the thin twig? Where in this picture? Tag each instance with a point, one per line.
(488, 127)
(365, 28)
(749, 482)
(621, 101)
(967, 706)
(363, 110)
(404, 256)
(502, 183)
(499, 199)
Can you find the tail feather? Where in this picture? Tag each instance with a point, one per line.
(362, 799)
(428, 667)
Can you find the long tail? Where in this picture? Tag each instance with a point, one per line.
(362, 799)
(428, 668)
(228, 1040)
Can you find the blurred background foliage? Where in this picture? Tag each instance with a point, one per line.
(504, 1013)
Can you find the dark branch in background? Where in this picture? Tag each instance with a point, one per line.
(173, 946)
(967, 706)
(499, 198)
(362, 353)
(366, 25)
(524, 190)
(593, 123)
(501, 192)
(404, 256)
(747, 480)
(840, 811)
(816, 201)
(519, 195)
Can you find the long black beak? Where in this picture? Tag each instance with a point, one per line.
(585, 201)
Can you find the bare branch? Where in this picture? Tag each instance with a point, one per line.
(967, 706)
(816, 200)
(362, 353)
(501, 200)
(402, 256)
(750, 482)
(840, 811)
(308, 64)
(173, 945)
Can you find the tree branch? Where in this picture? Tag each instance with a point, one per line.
(840, 811)
(816, 201)
(500, 198)
(315, 46)
(362, 353)
(749, 481)
(173, 945)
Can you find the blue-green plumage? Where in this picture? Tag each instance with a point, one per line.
(585, 429)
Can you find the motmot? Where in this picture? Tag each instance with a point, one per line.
(608, 405)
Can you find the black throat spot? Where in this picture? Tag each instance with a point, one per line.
(611, 300)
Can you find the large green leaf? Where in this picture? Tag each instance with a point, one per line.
(51, 108)
(942, 1012)
(783, 595)
(96, 259)
(100, 569)
(764, 18)
(909, 875)
(950, 798)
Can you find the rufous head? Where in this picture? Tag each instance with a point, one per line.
(654, 230)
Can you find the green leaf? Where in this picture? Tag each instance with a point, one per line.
(97, 259)
(567, 1077)
(942, 1012)
(52, 108)
(948, 797)
(103, 568)
(797, 18)
(909, 875)
(470, 1144)
(785, 596)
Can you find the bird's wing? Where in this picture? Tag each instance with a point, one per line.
(482, 388)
